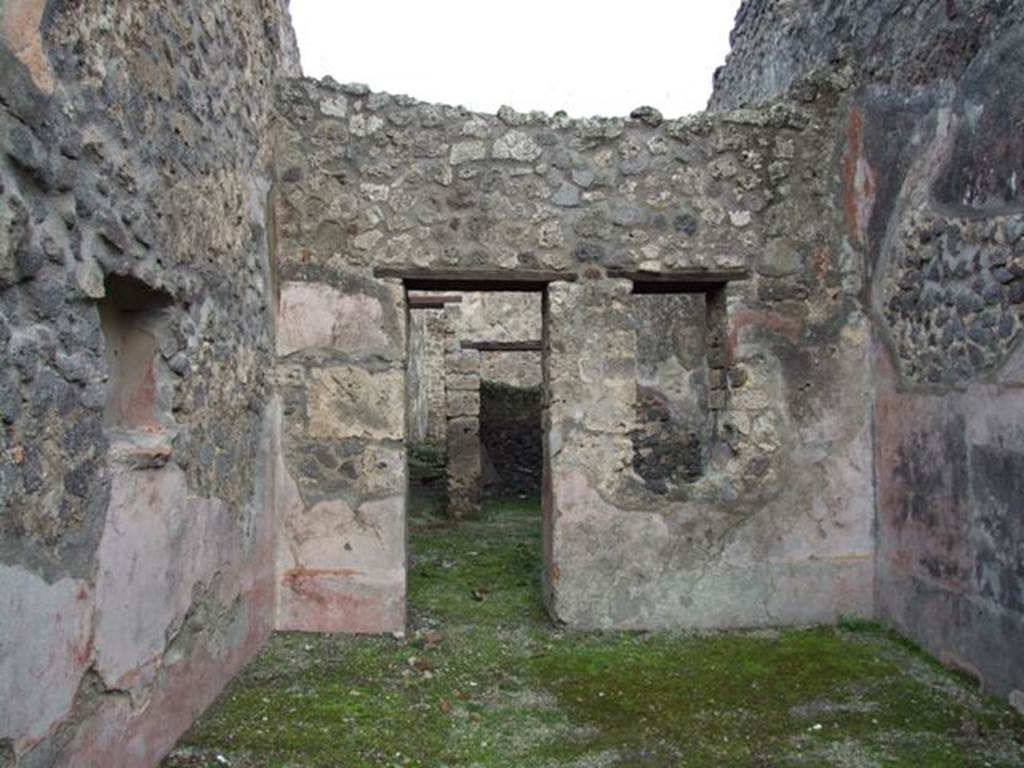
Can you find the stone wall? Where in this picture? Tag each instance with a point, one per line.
(341, 371)
(944, 237)
(781, 369)
(674, 421)
(376, 181)
(905, 43)
(138, 424)
(781, 350)
(939, 219)
(778, 528)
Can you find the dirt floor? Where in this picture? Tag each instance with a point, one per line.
(484, 679)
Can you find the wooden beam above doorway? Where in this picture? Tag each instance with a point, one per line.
(504, 346)
(515, 281)
(434, 301)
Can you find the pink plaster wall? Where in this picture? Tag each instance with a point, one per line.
(341, 559)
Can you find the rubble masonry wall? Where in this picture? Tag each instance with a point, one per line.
(137, 509)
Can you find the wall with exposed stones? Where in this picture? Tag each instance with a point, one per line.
(777, 529)
(674, 430)
(939, 218)
(904, 43)
(462, 441)
(943, 230)
(138, 424)
(781, 362)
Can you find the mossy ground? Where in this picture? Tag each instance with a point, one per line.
(484, 679)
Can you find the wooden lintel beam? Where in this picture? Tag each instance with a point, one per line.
(679, 281)
(525, 280)
(434, 302)
(504, 346)
(519, 280)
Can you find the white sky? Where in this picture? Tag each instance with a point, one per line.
(588, 58)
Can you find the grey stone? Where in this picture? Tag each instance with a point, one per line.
(10, 396)
(968, 302)
(583, 177)
(648, 116)
(567, 196)
(685, 224)
(467, 151)
(1015, 230)
(626, 214)
(511, 117)
(1003, 275)
(780, 258)
(28, 153)
(516, 145)
(678, 495)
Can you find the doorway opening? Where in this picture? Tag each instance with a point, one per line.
(474, 400)
(475, 449)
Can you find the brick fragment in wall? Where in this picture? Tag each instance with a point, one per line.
(116, 179)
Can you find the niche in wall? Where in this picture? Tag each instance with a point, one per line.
(133, 317)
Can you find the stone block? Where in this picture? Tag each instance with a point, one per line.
(780, 258)
(463, 403)
(463, 381)
(466, 361)
(517, 145)
(468, 151)
(349, 401)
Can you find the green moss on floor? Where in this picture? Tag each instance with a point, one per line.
(485, 680)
